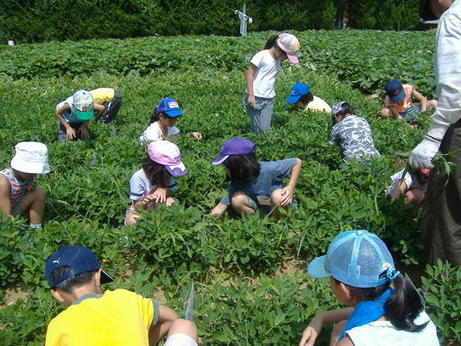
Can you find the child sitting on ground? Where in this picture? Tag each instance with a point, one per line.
(303, 99)
(412, 186)
(95, 318)
(110, 100)
(255, 185)
(351, 133)
(153, 183)
(73, 115)
(162, 122)
(398, 103)
(385, 307)
(19, 194)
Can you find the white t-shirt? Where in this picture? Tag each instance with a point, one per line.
(140, 186)
(318, 105)
(153, 133)
(383, 333)
(264, 77)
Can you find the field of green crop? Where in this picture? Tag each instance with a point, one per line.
(249, 273)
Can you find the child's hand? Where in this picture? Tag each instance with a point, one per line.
(251, 101)
(70, 132)
(311, 332)
(159, 195)
(197, 135)
(218, 210)
(287, 196)
(84, 132)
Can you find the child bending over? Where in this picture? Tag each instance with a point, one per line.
(255, 185)
(384, 306)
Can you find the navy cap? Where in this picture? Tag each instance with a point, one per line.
(79, 259)
(394, 89)
(170, 107)
(297, 91)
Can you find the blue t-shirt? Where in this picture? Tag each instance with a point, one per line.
(68, 115)
(268, 180)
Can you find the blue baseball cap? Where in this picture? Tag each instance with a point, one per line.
(357, 258)
(298, 90)
(78, 258)
(234, 146)
(394, 89)
(170, 107)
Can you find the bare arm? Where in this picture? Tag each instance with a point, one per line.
(70, 132)
(422, 100)
(400, 189)
(249, 79)
(5, 205)
(288, 191)
(98, 110)
(219, 209)
(166, 316)
(315, 325)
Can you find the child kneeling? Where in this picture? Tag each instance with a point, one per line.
(385, 307)
(19, 194)
(255, 185)
(153, 183)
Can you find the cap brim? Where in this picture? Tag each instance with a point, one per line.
(174, 113)
(105, 278)
(220, 159)
(84, 115)
(177, 170)
(293, 59)
(316, 268)
(293, 99)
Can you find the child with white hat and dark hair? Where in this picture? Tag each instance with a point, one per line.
(114, 317)
(19, 194)
(261, 75)
(384, 306)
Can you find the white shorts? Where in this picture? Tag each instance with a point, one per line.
(179, 339)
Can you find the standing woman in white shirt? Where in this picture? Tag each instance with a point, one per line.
(260, 78)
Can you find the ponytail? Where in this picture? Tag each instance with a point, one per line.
(404, 305)
(271, 41)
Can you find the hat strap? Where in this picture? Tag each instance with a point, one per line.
(392, 274)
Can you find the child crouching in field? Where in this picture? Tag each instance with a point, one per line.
(255, 185)
(162, 122)
(412, 186)
(93, 317)
(398, 103)
(154, 182)
(302, 98)
(384, 306)
(19, 194)
(351, 133)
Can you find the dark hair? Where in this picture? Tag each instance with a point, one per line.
(346, 108)
(70, 284)
(242, 168)
(402, 307)
(155, 116)
(271, 41)
(155, 172)
(306, 98)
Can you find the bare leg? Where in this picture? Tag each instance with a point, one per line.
(240, 203)
(384, 113)
(33, 203)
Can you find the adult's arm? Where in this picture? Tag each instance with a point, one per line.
(448, 73)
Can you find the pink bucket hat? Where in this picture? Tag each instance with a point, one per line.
(168, 155)
(290, 45)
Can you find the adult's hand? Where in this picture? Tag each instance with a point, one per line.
(422, 155)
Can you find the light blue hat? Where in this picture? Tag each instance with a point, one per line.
(357, 258)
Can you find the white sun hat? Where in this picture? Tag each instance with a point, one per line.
(31, 157)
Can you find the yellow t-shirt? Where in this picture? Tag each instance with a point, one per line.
(102, 95)
(114, 318)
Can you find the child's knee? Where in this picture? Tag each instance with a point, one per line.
(184, 327)
(38, 195)
(170, 200)
(239, 199)
(384, 113)
(130, 219)
(276, 197)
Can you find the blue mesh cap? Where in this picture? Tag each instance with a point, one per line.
(356, 258)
